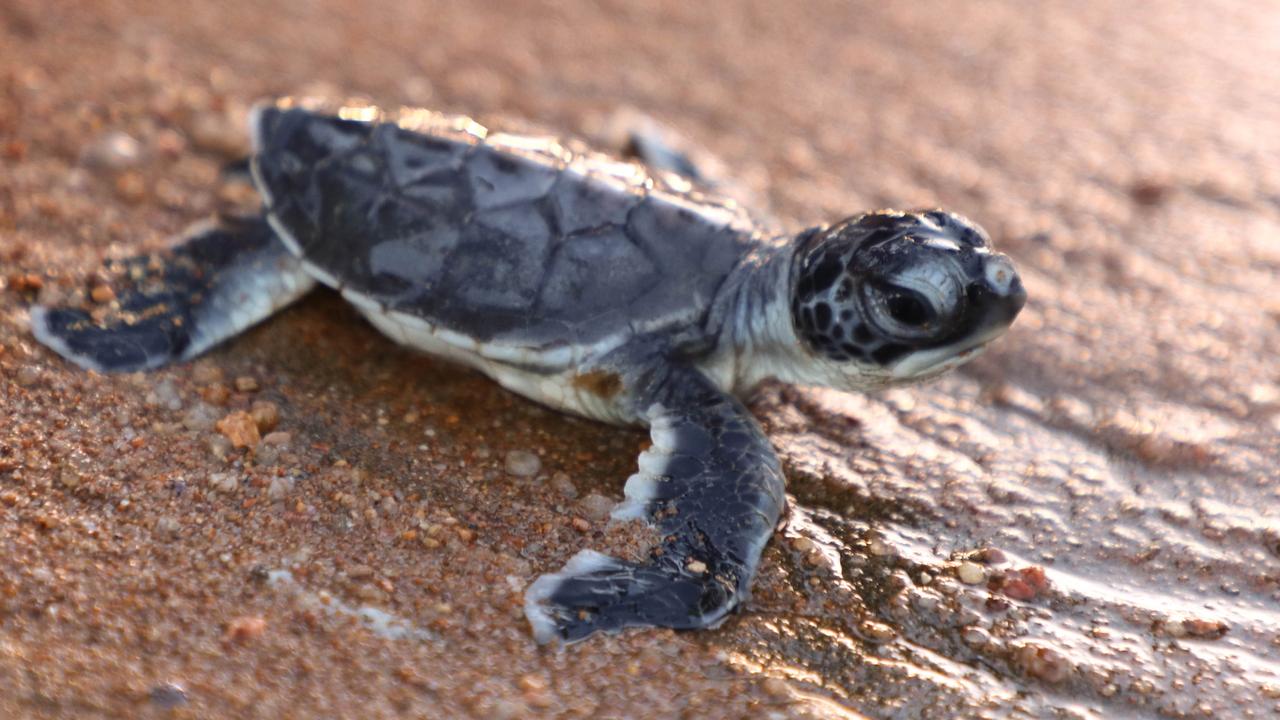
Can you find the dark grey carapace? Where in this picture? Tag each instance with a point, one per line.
(585, 283)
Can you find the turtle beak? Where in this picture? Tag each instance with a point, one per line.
(995, 296)
(1000, 296)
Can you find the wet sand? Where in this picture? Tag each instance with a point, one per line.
(1081, 524)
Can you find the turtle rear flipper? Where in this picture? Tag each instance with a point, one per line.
(712, 485)
(170, 306)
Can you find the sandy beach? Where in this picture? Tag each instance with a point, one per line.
(312, 521)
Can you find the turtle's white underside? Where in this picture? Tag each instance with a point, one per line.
(555, 388)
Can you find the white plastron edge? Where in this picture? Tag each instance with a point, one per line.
(642, 487)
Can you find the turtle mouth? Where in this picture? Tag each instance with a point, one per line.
(992, 309)
(927, 363)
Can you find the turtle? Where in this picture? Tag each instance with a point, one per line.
(592, 284)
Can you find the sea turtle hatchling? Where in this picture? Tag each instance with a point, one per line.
(586, 284)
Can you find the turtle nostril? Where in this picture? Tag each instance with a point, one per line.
(1000, 274)
(1000, 296)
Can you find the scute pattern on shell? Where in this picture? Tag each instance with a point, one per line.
(509, 237)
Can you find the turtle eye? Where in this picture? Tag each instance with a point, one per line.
(908, 308)
(899, 312)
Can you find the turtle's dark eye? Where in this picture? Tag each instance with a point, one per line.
(907, 308)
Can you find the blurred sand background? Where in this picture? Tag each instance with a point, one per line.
(1085, 523)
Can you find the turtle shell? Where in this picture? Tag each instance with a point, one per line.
(504, 239)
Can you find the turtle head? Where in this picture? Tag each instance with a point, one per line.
(886, 298)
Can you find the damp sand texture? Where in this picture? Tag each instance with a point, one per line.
(1082, 523)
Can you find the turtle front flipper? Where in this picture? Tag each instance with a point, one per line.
(665, 152)
(165, 307)
(712, 485)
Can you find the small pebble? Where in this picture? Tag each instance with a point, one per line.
(244, 383)
(991, 556)
(562, 484)
(27, 376)
(802, 545)
(876, 632)
(168, 695)
(245, 629)
(278, 438)
(266, 455)
(1042, 663)
(697, 567)
(279, 488)
(113, 151)
(776, 687)
(1018, 590)
(216, 394)
(166, 525)
(200, 417)
(532, 682)
(240, 428)
(224, 482)
(387, 506)
(1035, 577)
(102, 294)
(975, 637)
(69, 476)
(165, 395)
(596, 507)
(1026, 584)
(970, 573)
(522, 463)
(926, 601)
(29, 283)
(266, 415)
(996, 604)
(1204, 629)
(219, 447)
(131, 187)
(206, 374)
